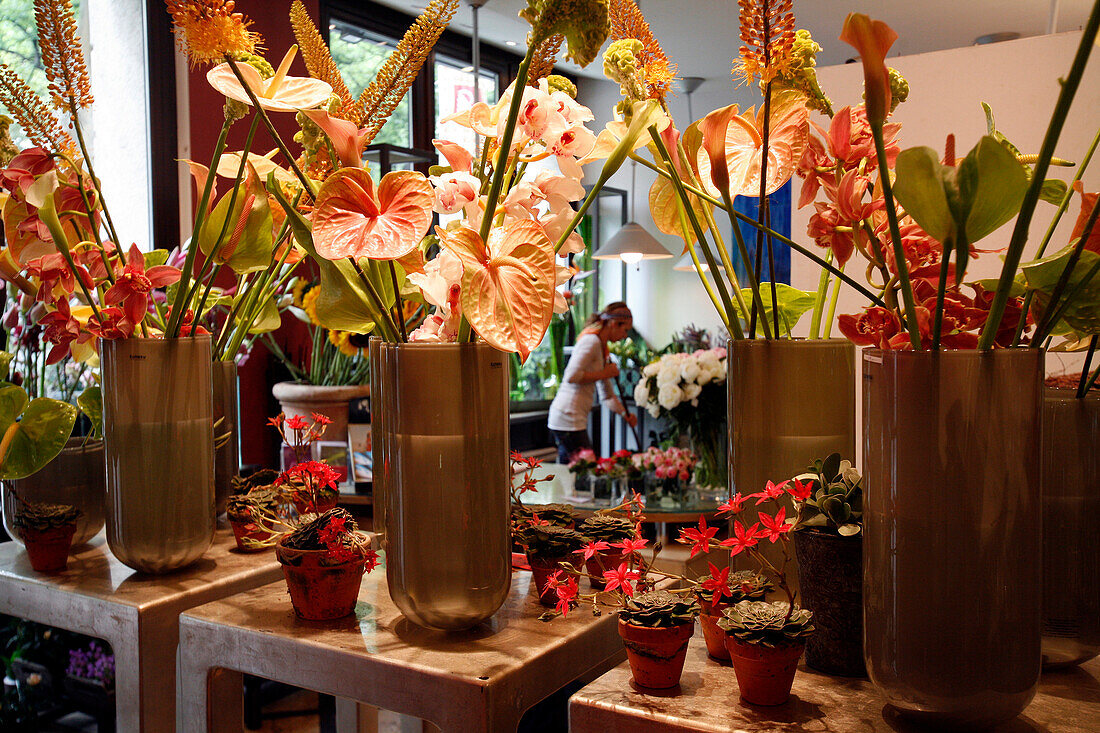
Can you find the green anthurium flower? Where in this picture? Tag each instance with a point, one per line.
(792, 302)
(1083, 313)
(959, 205)
(33, 432)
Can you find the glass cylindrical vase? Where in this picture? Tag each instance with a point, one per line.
(75, 477)
(158, 430)
(1071, 535)
(951, 568)
(227, 432)
(440, 422)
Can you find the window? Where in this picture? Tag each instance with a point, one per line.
(359, 54)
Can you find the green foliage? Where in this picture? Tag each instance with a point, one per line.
(33, 431)
(268, 501)
(659, 609)
(1054, 189)
(607, 528)
(90, 403)
(772, 624)
(551, 542)
(836, 497)
(1083, 313)
(792, 302)
(563, 515)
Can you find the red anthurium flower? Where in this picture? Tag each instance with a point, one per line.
(133, 286)
(742, 538)
(592, 548)
(701, 537)
(111, 323)
(771, 491)
(621, 577)
(732, 506)
(776, 527)
(873, 39)
(801, 491)
(630, 546)
(718, 582)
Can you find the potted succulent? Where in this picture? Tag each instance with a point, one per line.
(256, 517)
(605, 529)
(310, 484)
(324, 559)
(828, 546)
(723, 589)
(561, 515)
(47, 532)
(656, 628)
(547, 547)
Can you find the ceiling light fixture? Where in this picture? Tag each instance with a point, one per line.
(632, 243)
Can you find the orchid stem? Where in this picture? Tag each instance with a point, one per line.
(912, 325)
(385, 319)
(399, 305)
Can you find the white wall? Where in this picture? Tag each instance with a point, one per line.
(1019, 79)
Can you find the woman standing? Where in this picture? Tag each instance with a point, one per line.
(587, 370)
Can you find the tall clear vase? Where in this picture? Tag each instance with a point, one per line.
(440, 442)
(158, 432)
(952, 588)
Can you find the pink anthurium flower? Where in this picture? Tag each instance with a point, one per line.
(458, 157)
(873, 39)
(507, 283)
(133, 286)
(280, 93)
(346, 138)
(352, 219)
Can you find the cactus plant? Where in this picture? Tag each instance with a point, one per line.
(659, 609)
(551, 542)
(772, 624)
(836, 497)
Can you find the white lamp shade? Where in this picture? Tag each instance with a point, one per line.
(684, 264)
(631, 244)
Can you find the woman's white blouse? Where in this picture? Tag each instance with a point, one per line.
(570, 408)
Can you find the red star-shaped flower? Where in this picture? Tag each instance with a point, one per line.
(701, 537)
(801, 491)
(567, 595)
(732, 506)
(592, 548)
(776, 527)
(771, 491)
(742, 538)
(629, 546)
(718, 582)
(621, 577)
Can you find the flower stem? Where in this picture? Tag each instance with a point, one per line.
(819, 300)
(399, 305)
(384, 318)
(832, 306)
(1052, 315)
(1084, 383)
(75, 118)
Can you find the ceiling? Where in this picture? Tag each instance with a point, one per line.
(701, 36)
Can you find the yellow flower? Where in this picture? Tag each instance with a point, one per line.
(211, 30)
(347, 343)
(309, 304)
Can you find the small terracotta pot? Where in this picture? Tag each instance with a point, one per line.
(611, 559)
(656, 656)
(48, 549)
(324, 503)
(247, 529)
(541, 570)
(320, 592)
(713, 635)
(764, 674)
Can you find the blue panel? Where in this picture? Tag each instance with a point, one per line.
(780, 209)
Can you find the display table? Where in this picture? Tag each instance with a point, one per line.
(1068, 701)
(138, 615)
(479, 680)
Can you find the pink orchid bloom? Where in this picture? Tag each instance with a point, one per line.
(437, 277)
(351, 219)
(57, 279)
(566, 106)
(61, 330)
(454, 192)
(458, 157)
(133, 286)
(552, 189)
(111, 324)
(280, 93)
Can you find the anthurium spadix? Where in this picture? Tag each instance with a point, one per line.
(507, 282)
(245, 242)
(959, 205)
(353, 219)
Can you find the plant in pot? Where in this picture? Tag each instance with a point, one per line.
(720, 590)
(257, 518)
(583, 466)
(606, 531)
(656, 627)
(90, 679)
(310, 484)
(47, 532)
(547, 547)
(828, 545)
(324, 559)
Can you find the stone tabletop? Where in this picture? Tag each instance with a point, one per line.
(482, 679)
(1068, 701)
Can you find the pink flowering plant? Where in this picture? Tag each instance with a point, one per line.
(583, 462)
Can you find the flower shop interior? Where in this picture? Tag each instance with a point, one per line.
(549, 365)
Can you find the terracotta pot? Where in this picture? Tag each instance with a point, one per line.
(75, 477)
(441, 450)
(952, 546)
(656, 656)
(1071, 534)
(611, 559)
(48, 549)
(764, 674)
(330, 401)
(247, 529)
(541, 570)
(831, 579)
(320, 592)
(713, 635)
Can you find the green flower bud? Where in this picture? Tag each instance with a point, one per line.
(584, 23)
(234, 110)
(558, 83)
(802, 76)
(259, 63)
(899, 88)
(620, 65)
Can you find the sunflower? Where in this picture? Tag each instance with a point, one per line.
(349, 344)
(309, 304)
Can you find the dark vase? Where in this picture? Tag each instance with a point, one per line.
(1071, 534)
(831, 579)
(952, 546)
(76, 477)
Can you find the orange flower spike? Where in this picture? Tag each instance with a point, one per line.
(873, 39)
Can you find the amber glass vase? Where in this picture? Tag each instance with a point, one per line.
(1071, 534)
(439, 416)
(158, 429)
(227, 458)
(952, 549)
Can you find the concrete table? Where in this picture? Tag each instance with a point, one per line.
(479, 680)
(138, 615)
(1068, 701)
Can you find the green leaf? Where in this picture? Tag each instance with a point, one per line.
(13, 400)
(792, 302)
(41, 434)
(155, 258)
(1053, 191)
(847, 530)
(1083, 314)
(5, 363)
(268, 319)
(253, 250)
(920, 189)
(991, 189)
(344, 304)
(90, 403)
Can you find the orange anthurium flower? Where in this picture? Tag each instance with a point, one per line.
(730, 156)
(351, 219)
(873, 39)
(346, 138)
(507, 283)
(280, 93)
